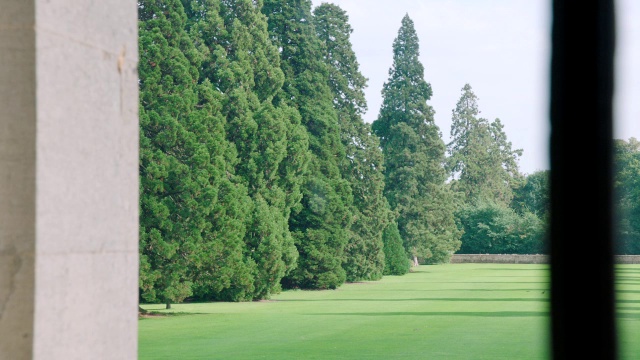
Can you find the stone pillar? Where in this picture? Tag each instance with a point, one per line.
(17, 178)
(68, 179)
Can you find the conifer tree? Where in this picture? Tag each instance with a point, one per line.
(244, 66)
(396, 261)
(414, 155)
(319, 224)
(485, 173)
(480, 157)
(363, 164)
(626, 174)
(186, 199)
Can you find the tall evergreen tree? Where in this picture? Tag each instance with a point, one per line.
(485, 173)
(627, 195)
(187, 202)
(319, 224)
(244, 66)
(414, 155)
(481, 161)
(363, 164)
(396, 261)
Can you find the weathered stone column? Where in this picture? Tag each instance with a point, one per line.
(68, 179)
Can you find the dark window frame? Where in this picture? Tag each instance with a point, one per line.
(581, 249)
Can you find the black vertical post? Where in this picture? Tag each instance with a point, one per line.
(582, 262)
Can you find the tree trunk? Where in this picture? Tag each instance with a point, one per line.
(168, 305)
(415, 261)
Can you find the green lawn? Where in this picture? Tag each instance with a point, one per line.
(453, 311)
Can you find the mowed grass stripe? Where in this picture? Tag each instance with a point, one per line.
(452, 311)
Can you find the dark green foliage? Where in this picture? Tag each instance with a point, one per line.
(481, 161)
(346, 81)
(533, 196)
(396, 261)
(187, 199)
(244, 66)
(164, 69)
(492, 228)
(363, 165)
(485, 174)
(627, 196)
(257, 171)
(414, 154)
(319, 224)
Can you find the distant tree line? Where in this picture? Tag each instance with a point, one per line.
(258, 172)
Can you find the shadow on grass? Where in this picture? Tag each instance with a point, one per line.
(628, 291)
(628, 277)
(157, 313)
(628, 316)
(424, 299)
(446, 313)
(487, 282)
(514, 269)
(621, 307)
(620, 301)
(465, 290)
(516, 276)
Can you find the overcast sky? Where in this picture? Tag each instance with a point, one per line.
(499, 47)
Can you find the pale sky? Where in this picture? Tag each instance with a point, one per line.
(501, 48)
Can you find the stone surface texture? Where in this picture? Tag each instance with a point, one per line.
(17, 178)
(68, 179)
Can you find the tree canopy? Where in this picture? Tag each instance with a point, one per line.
(189, 194)
(362, 165)
(259, 174)
(627, 195)
(320, 224)
(481, 161)
(414, 156)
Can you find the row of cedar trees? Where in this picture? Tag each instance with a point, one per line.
(258, 173)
